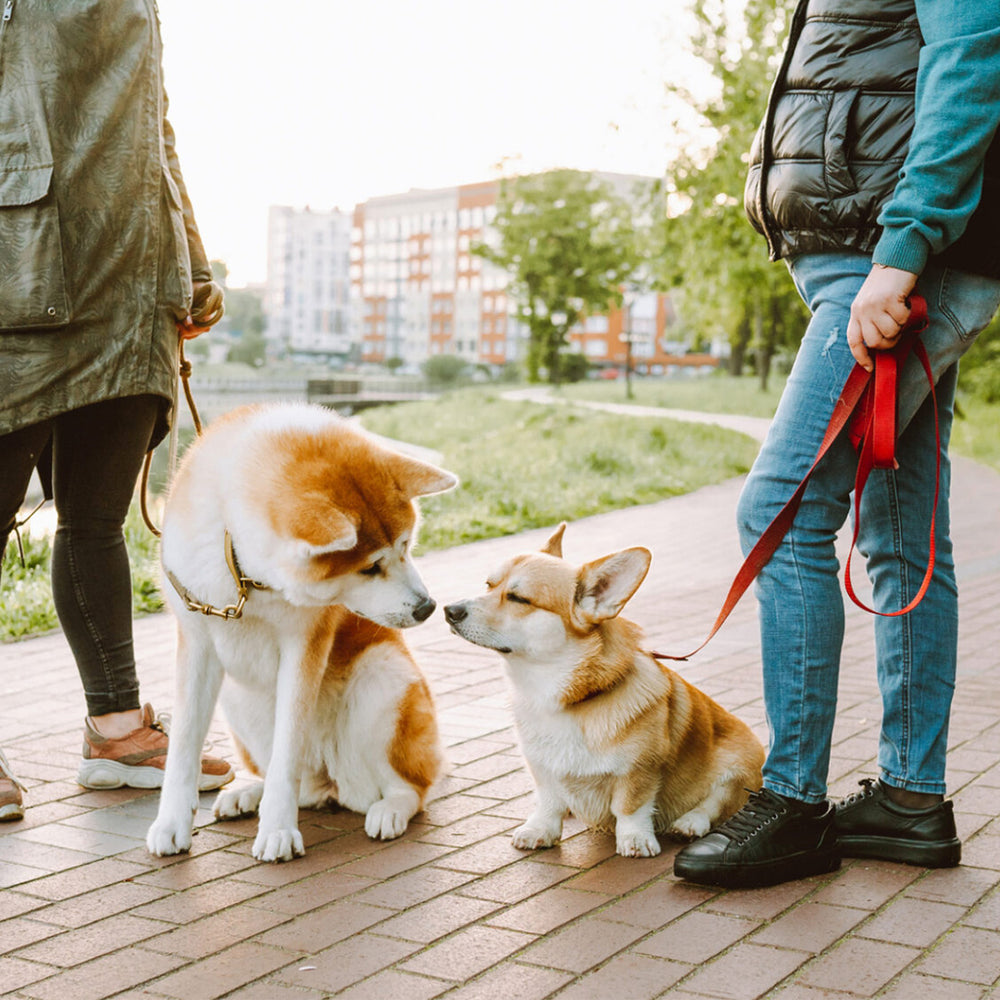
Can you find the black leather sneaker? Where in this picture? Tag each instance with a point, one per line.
(870, 825)
(771, 839)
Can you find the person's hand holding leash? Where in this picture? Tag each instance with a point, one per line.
(879, 312)
(206, 310)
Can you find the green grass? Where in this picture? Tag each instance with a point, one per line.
(26, 606)
(524, 466)
(974, 432)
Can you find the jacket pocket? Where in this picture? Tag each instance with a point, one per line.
(32, 276)
(837, 138)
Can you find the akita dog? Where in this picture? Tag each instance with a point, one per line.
(610, 734)
(310, 520)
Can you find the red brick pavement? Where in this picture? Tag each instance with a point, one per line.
(451, 909)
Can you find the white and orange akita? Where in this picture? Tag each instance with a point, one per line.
(610, 734)
(322, 696)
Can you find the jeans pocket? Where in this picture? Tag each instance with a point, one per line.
(968, 301)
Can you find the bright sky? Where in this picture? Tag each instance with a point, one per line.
(327, 103)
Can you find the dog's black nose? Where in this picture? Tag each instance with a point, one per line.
(424, 609)
(454, 613)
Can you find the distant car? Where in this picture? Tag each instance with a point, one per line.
(609, 373)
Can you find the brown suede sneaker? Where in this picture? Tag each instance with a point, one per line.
(11, 804)
(137, 760)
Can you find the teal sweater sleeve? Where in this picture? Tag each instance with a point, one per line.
(957, 114)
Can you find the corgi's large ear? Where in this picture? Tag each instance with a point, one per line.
(553, 547)
(319, 527)
(420, 479)
(604, 586)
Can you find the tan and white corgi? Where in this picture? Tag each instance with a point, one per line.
(323, 698)
(610, 734)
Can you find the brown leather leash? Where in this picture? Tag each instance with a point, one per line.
(207, 308)
(185, 376)
(867, 406)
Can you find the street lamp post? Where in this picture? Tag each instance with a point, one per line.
(626, 336)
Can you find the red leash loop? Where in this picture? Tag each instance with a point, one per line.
(868, 402)
(875, 431)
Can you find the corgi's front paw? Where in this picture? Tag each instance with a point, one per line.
(693, 824)
(637, 845)
(530, 838)
(278, 845)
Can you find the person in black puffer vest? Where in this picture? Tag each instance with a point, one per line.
(875, 174)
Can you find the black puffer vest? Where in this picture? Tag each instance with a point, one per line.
(827, 155)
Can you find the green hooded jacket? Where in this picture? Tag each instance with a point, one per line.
(98, 243)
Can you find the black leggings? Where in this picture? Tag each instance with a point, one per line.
(97, 456)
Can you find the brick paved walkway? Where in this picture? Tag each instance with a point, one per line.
(451, 909)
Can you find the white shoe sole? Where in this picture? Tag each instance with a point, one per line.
(100, 774)
(10, 812)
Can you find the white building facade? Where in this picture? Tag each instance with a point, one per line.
(308, 300)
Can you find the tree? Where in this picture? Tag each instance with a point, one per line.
(568, 243)
(711, 252)
(444, 369)
(244, 321)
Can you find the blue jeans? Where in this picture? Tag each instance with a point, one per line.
(800, 602)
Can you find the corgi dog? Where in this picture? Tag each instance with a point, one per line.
(312, 520)
(609, 734)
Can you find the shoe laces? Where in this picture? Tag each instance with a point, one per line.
(762, 808)
(6, 771)
(161, 722)
(867, 791)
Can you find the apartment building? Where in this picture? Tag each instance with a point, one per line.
(308, 299)
(417, 290)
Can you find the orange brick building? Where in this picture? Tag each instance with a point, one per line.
(418, 290)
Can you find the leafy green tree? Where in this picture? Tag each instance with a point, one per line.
(444, 369)
(712, 254)
(568, 243)
(244, 321)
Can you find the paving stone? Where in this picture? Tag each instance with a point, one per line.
(745, 972)
(859, 966)
(468, 952)
(968, 954)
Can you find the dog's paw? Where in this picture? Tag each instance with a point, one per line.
(383, 821)
(530, 838)
(693, 825)
(167, 836)
(637, 845)
(278, 845)
(236, 802)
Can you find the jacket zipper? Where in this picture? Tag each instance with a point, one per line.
(8, 13)
(798, 20)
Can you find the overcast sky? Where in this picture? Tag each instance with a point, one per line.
(327, 103)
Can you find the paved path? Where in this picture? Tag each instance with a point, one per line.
(451, 909)
(755, 427)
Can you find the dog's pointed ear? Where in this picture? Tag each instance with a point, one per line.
(319, 527)
(604, 586)
(553, 547)
(420, 479)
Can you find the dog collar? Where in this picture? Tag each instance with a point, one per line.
(244, 585)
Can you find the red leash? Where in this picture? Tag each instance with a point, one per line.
(868, 404)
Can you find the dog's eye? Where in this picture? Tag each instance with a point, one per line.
(374, 570)
(517, 598)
